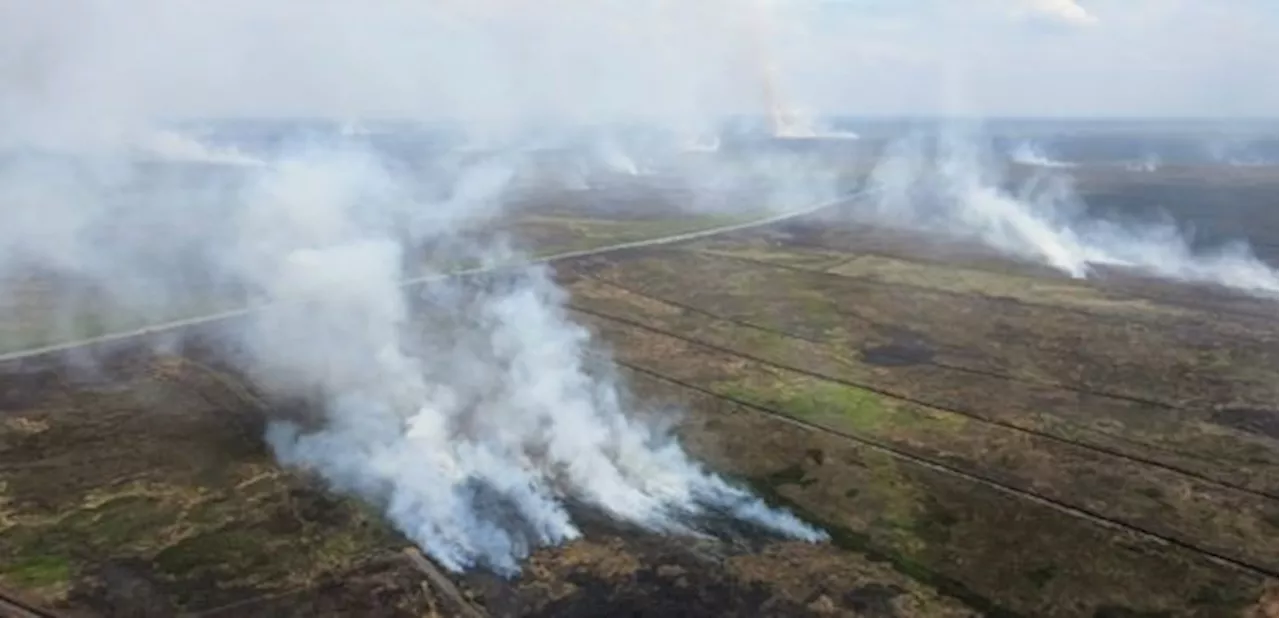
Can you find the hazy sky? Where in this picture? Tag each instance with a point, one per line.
(75, 64)
(1051, 57)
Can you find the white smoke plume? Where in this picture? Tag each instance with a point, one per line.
(175, 146)
(466, 410)
(471, 418)
(1028, 153)
(1233, 153)
(702, 143)
(617, 159)
(476, 427)
(951, 184)
(1148, 163)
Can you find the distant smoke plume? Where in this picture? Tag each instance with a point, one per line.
(1028, 153)
(172, 146)
(1149, 163)
(1241, 153)
(951, 184)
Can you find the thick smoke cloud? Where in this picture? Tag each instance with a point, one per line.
(477, 429)
(469, 411)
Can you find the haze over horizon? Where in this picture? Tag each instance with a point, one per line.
(92, 66)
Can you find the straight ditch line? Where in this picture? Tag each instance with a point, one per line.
(1054, 503)
(895, 395)
(912, 400)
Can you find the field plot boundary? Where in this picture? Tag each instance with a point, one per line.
(1185, 303)
(222, 316)
(1078, 511)
(893, 394)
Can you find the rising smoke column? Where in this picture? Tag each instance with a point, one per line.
(476, 428)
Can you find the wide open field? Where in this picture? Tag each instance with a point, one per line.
(980, 437)
(1023, 442)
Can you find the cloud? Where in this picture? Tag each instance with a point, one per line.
(1173, 58)
(504, 62)
(1063, 12)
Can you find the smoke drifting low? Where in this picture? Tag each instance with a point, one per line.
(479, 442)
(466, 409)
(953, 183)
(476, 425)
(468, 412)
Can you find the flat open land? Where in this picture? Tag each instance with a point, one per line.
(979, 436)
(42, 307)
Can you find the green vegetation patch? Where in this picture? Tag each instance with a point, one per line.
(1043, 291)
(818, 401)
(761, 249)
(39, 572)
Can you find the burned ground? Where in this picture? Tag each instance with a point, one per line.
(979, 436)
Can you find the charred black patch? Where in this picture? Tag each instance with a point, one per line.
(385, 588)
(313, 505)
(897, 355)
(124, 588)
(25, 388)
(1116, 611)
(872, 599)
(1258, 421)
(904, 348)
(670, 583)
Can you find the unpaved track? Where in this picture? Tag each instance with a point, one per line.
(212, 318)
